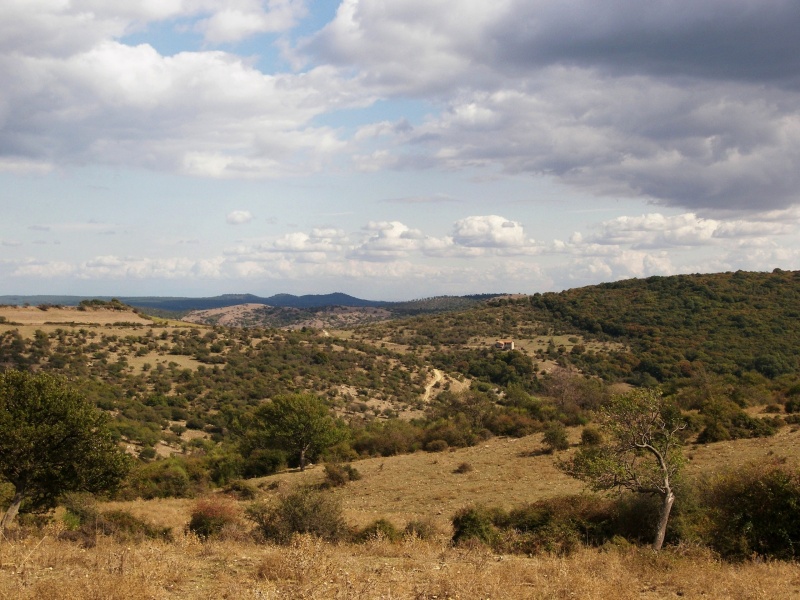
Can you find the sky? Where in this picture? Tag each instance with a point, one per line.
(393, 149)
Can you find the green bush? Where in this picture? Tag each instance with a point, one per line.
(437, 446)
(557, 525)
(754, 511)
(81, 508)
(124, 526)
(241, 489)
(175, 477)
(119, 524)
(301, 511)
(264, 461)
(555, 437)
(475, 523)
(792, 404)
(726, 421)
(339, 475)
(591, 436)
(379, 529)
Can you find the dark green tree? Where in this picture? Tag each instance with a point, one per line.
(52, 441)
(299, 424)
(640, 452)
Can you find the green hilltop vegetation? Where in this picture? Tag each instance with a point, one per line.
(662, 328)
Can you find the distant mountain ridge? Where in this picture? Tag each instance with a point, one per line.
(187, 303)
(184, 304)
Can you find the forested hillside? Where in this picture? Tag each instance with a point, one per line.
(644, 331)
(726, 323)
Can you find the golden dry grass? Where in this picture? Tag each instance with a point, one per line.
(417, 486)
(45, 568)
(31, 315)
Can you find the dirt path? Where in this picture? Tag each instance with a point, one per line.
(437, 378)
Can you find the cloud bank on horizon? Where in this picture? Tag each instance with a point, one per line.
(393, 149)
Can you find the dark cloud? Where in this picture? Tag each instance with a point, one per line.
(711, 39)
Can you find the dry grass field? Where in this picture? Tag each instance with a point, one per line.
(505, 472)
(31, 315)
(46, 569)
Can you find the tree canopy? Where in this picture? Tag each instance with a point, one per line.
(52, 441)
(641, 453)
(300, 424)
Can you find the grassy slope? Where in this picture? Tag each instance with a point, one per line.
(399, 488)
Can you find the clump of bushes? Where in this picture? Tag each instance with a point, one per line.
(85, 522)
(174, 477)
(740, 514)
(303, 510)
(241, 490)
(437, 446)
(476, 523)
(556, 525)
(555, 437)
(337, 475)
(591, 436)
(380, 529)
(725, 420)
(752, 511)
(463, 468)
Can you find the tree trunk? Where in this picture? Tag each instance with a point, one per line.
(12, 511)
(663, 518)
(303, 459)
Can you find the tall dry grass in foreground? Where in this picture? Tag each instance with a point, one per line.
(44, 568)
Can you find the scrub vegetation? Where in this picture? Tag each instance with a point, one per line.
(373, 455)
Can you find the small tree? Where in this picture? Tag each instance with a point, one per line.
(299, 424)
(555, 437)
(52, 441)
(641, 452)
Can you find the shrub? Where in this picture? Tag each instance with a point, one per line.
(437, 446)
(464, 467)
(147, 453)
(727, 421)
(264, 461)
(377, 530)
(124, 526)
(591, 436)
(557, 525)
(555, 437)
(210, 516)
(475, 523)
(754, 511)
(792, 404)
(301, 511)
(423, 529)
(241, 489)
(339, 475)
(81, 507)
(174, 477)
(119, 524)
